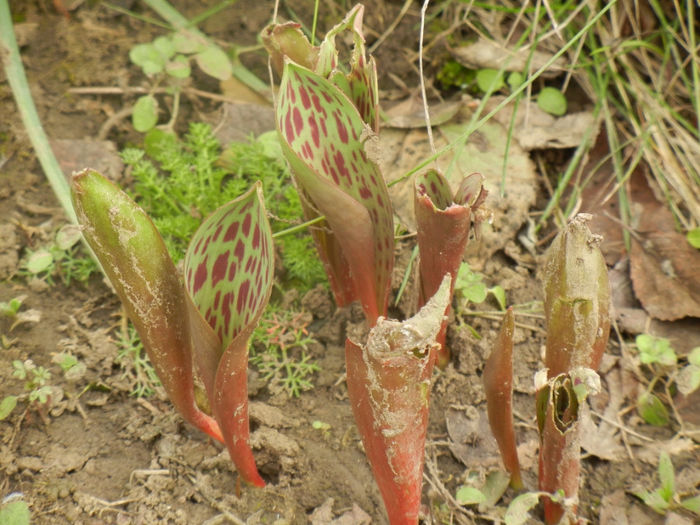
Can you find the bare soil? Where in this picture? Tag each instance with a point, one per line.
(98, 455)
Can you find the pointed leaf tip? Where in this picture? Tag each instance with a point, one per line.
(229, 265)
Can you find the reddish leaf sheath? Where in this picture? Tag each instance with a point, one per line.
(560, 449)
(443, 225)
(498, 386)
(576, 300)
(136, 262)
(229, 269)
(389, 389)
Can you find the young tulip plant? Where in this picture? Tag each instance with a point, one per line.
(207, 319)
(327, 121)
(577, 313)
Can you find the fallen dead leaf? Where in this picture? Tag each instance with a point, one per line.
(323, 515)
(410, 113)
(663, 265)
(613, 509)
(602, 439)
(471, 440)
(240, 120)
(76, 154)
(534, 128)
(490, 54)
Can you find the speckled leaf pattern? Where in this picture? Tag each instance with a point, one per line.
(229, 265)
(322, 136)
(360, 85)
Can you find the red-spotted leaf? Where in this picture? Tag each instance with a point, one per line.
(443, 224)
(135, 260)
(229, 269)
(389, 389)
(360, 84)
(322, 136)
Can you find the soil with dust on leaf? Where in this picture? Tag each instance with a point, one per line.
(98, 455)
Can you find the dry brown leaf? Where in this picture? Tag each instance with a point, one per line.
(410, 113)
(534, 128)
(613, 509)
(602, 439)
(323, 515)
(597, 200)
(234, 89)
(471, 440)
(489, 54)
(101, 155)
(663, 265)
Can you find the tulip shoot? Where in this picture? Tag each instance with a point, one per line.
(576, 299)
(498, 386)
(389, 389)
(443, 224)
(209, 319)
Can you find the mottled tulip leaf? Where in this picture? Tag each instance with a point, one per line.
(322, 135)
(360, 85)
(229, 265)
(229, 269)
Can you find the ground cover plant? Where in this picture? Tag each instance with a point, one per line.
(306, 447)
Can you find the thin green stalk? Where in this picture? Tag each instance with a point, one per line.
(313, 24)
(473, 126)
(406, 275)
(12, 62)
(299, 227)
(694, 61)
(137, 16)
(208, 13)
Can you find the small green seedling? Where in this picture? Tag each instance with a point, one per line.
(63, 257)
(470, 286)
(665, 497)
(167, 59)
(552, 100)
(14, 511)
(655, 350)
(11, 307)
(36, 378)
(688, 379)
(658, 354)
(490, 80)
(323, 427)
(693, 237)
(279, 352)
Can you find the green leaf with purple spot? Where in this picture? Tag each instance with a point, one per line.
(360, 85)
(323, 135)
(229, 265)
